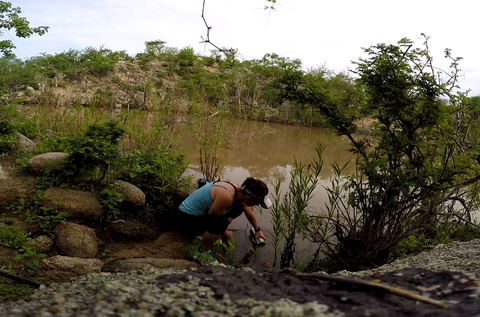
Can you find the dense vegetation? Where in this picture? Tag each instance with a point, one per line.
(249, 89)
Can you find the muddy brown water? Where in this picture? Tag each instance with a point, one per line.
(268, 151)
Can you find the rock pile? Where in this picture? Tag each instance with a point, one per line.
(75, 250)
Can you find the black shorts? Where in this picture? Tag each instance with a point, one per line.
(193, 226)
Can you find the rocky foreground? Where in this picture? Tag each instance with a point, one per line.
(447, 274)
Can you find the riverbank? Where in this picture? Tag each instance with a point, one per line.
(447, 273)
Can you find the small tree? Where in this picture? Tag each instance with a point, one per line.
(10, 19)
(411, 167)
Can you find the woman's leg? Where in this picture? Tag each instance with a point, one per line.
(227, 235)
(212, 227)
(208, 240)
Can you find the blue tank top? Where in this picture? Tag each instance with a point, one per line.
(200, 201)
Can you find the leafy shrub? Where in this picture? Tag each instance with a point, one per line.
(13, 237)
(12, 121)
(413, 170)
(74, 64)
(96, 149)
(110, 199)
(34, 211)
(156, 171)
(186, 59)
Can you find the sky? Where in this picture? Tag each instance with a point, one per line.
(321, 33)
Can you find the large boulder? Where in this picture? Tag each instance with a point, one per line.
(133, 197)
(76, 240)
(77, 204)
(53, 161)
(63, 268)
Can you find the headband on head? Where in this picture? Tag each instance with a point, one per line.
(264, 201)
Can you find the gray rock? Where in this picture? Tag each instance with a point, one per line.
(42, 243)
(148, 265)
(78, 204)
(3, 174)
(455, 256)
(29, 91)
(53, 161)
(24, 144)
(132, 195)
(59, 267)
(76, 240)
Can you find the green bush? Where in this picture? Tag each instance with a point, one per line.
(74, 64)
(156, 171)
(12, 121)
(95, 152)
(35, 211)
(13, 237)
(186, 60)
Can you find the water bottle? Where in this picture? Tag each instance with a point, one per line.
(201, 182)
(256, 240)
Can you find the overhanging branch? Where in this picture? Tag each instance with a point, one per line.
(207, 39)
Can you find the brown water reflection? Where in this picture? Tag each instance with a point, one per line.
(267, 151)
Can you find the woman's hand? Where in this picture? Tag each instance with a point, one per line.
(259, 234)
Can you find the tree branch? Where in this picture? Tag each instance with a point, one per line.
(20, 279)
(372, 285)
(207, 39)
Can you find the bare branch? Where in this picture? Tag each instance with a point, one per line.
(207, 39)
(20, 279)
(371, 285)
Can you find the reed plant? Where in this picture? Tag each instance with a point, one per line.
(209, 128)
(291, 210)
(228, 252)
(254, 255)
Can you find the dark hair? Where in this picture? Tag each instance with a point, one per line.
(255, 187)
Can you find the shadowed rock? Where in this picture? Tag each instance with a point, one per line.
(63, 268)
(24, 144)
(53, 161)
(130, 230)
(133, 197)
(148, 264)
(41, 243)
(76, 240)
(77, 204)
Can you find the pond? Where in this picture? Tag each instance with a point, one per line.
(268, 151)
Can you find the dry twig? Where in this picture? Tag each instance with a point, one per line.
(372, 285)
